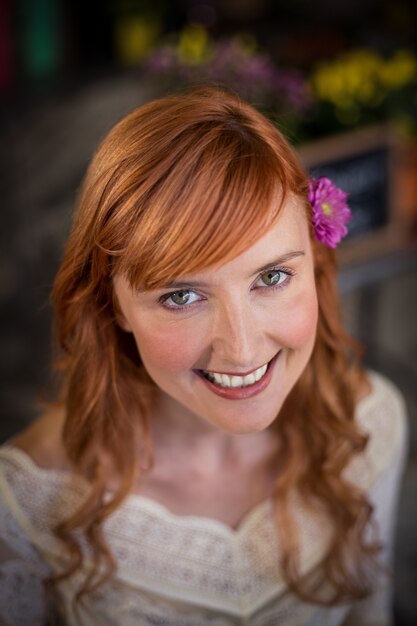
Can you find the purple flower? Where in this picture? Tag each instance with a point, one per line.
(161, 61)
(330, 212)
(251, 74)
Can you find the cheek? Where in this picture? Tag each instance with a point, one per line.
(168, 349)
(299, 323)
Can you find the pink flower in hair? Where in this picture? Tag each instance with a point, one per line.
(330, 211)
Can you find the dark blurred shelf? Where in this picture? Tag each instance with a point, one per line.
(377, 269)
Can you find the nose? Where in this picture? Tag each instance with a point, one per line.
(237, 336)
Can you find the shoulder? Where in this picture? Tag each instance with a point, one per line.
(23, 541)
(42, 441)
(382, 415)
(36, 483)
(35, 496)
(382, 412)
(22, 563)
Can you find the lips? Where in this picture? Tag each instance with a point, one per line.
(240, 392)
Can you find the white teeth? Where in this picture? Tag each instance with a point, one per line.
(260, 372)
(225, 380)
(237, 381)
(218, 378)
(249, 379)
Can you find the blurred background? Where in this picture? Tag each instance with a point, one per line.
(338, 78)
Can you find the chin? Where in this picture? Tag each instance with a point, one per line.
(243, 425)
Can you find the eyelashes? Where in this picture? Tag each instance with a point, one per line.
(186, 305)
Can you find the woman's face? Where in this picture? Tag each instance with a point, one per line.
(256, 312)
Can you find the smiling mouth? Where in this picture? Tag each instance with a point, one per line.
(234, 380)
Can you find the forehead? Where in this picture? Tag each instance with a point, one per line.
(286, 238)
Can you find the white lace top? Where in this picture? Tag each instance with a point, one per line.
(185, 570)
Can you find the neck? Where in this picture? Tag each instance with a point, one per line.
(180, 434)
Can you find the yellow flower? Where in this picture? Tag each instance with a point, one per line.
(134, 38)
(194, 46)
(399, 71)
(361, 77)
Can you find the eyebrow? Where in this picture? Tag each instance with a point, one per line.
(278, 261)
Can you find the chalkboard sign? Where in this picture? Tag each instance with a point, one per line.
(365, 178)
(359, 163)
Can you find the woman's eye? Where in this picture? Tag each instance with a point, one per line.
(273, 278)
(180, 298)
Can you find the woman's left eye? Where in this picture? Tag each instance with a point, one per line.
(274, 278)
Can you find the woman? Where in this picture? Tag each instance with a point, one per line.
(217, 454)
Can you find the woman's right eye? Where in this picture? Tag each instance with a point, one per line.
(179, 299)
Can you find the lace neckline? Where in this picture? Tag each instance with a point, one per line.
(137, 501)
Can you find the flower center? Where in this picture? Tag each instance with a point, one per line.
(327, 209)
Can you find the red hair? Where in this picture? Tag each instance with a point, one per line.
(177, 186)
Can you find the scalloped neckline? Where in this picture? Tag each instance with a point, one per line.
(133, 499)
(161, 510)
